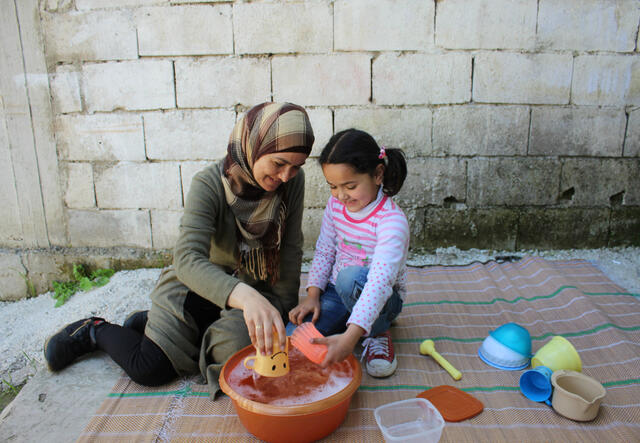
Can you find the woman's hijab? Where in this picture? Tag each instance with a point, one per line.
(264, 129)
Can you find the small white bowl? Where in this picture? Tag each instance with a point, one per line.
(495, 354)
(414, 420)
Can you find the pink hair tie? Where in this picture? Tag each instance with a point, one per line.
(383, 152)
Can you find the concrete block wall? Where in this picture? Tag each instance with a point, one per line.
(520, 118)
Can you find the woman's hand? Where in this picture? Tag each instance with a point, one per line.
(340, 346)
(310, 304)
(260, 316)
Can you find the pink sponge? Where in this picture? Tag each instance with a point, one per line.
(301, 340)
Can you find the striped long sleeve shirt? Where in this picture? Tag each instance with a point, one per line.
(376, 237)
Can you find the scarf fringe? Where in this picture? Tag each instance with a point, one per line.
(263, 264)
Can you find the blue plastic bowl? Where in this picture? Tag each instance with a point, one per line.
(514, 337)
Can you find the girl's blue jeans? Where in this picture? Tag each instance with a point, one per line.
(336, 304)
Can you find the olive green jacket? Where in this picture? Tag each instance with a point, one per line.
(205, 257)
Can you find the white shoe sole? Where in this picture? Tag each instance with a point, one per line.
(382, 370)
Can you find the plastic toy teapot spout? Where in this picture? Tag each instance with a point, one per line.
(427, 347)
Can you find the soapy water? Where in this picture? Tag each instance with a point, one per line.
(305, 383)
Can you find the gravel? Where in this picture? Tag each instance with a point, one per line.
(25, 324)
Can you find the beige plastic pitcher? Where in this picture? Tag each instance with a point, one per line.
(575, 395)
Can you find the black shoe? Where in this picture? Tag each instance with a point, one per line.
(137, 321)
(72, 341)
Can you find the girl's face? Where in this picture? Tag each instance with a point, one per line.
(271, 170)
(354, 189)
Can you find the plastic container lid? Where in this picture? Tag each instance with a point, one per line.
(413, 420)
(452, 403)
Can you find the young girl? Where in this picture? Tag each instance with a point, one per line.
(357, 278)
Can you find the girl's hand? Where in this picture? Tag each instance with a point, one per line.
(340, 346)
(310, 304)
(260, 316)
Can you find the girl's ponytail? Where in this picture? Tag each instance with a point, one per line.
(395, 171)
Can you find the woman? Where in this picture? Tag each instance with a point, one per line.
(235, 272)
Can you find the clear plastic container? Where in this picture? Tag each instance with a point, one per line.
(413, 420)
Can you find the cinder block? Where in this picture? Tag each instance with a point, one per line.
(606, 80)
(383, 25)
(322, 124)
(188, 135)
(588, 25)
(100, 137)
(11, 230)
(624, 227)
(222, 82)
(311, 222)
(415, 218)
(301, 27)
(187, 171)
(522, 78)
(79, 190)
(480, 130)
(431, 181)
(46, 266)
(495, 228)
(486, 24)
(514, 181)
(408, 129)
(106, 229)
(12, 277)
(133, 85)
(600, 182)
(340, 79)
(128, 185)
(185, 30)
(547, 228)
(577, 131)
(99, 35)
(415, 79)
(100, 4)
(165, 227)
(631, 171)
(316, 189)
(632, 140)
(199, 1)
(65, 90)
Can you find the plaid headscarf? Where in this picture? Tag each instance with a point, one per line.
(264, 129)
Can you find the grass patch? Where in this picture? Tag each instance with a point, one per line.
(8, 395)
(82, 281)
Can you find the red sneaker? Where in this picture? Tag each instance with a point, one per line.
(380, 357)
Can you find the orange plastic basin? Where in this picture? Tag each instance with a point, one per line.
(297, 423)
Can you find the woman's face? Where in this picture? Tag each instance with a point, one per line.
(271, 170)
(355, 190)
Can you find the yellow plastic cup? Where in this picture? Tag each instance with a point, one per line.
(557, 354)
(275, 364)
